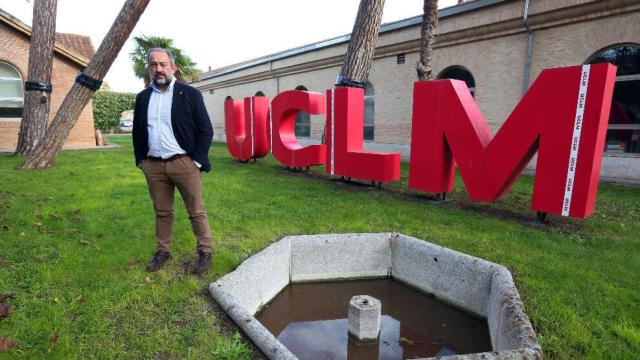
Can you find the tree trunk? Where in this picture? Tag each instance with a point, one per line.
(44, 153)
(36, 102)
(427, 34)
(359, 56)
(362, 46)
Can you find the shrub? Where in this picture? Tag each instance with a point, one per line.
(107, 106)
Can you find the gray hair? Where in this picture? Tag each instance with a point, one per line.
(159, 49)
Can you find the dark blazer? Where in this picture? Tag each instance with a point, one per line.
(189, 120)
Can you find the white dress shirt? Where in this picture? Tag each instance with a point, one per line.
(162, 142)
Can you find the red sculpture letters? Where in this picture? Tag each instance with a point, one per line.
(563, 117)
(345, 155)
(285, 147)
(247, 127)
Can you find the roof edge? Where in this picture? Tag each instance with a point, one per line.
(395, 25)
(17, 24)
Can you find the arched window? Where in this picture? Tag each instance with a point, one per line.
(459, 73)
(11, 93)
(369, 111)
(259, 93)
(623, 134)
(228, 98)
(303, 121)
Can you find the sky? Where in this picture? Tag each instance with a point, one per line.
(214, 33)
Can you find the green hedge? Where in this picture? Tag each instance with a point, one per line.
(107, 106)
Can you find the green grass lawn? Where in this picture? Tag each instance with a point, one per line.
(75, 239)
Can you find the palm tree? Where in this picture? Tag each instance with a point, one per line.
(186, 67)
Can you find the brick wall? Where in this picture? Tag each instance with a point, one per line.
(14, 50)
(491, 43)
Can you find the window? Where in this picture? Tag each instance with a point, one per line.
(259, 93)
(400, 58)
(623, 134)
(303, 120)
(459, 73)
(228, 98)
(369, 111)
(11, 93)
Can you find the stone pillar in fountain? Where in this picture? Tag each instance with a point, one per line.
(364, 318)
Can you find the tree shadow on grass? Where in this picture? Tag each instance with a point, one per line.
(511, 210)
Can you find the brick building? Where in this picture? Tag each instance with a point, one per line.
(487, 43)
(71, 54)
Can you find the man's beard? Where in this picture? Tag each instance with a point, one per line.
(162, 82)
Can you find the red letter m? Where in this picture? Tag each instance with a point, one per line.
(563, 116)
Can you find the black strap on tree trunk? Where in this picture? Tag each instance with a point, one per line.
(88, 82)
(343, 81)
(37, 86)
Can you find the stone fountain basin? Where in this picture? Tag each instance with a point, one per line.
(479, 287)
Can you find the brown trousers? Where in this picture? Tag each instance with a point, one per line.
(162, 179)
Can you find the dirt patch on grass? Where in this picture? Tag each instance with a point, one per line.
(560, 223)
(341, 183)
(519, 213)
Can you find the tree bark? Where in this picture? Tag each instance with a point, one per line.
(362, 46)
(44, 153)
(36, 102)
(427, 35)
(359, 56)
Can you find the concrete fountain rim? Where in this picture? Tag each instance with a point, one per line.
(477, 286)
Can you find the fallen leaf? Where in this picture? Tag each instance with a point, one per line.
(147, 279)
(56, 300)
(75, 210)
(6, 344)
(22, 234)
(7, 295)
(53, 341)
(37, 224)
(5, 262)
(80, 297)
(84, 242)
(5, 310)
(74, 230)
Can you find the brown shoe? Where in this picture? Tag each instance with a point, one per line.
(204, 262)
(159, 259)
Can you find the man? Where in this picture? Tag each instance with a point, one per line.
(171, 138)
